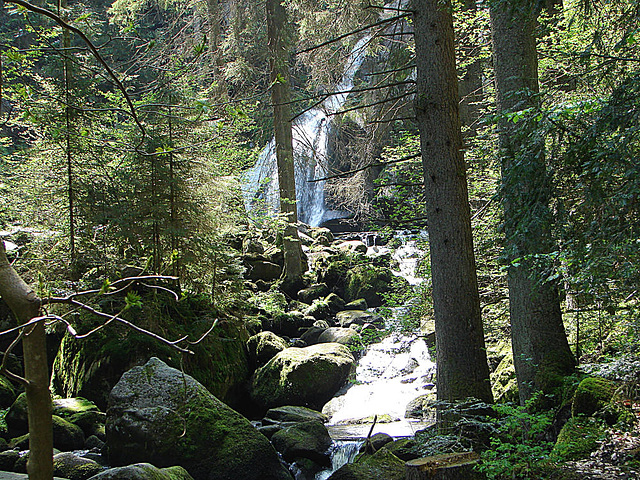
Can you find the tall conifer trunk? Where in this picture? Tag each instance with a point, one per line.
(540, 348)
(461, 358)
(470, 86)
(278, 33)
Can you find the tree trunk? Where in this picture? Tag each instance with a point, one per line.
(278, 33)
(462, 369)
(540, 349)
(470, 86)
(25, 305)
(449, 466)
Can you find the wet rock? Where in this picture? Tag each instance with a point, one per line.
(293, 413)
(307, 376)
(161, 416)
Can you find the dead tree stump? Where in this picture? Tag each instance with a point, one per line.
(449, 466)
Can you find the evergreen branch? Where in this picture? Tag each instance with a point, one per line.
(348, 34)
(94, 51)
(358, 107)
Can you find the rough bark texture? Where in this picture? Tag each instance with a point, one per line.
(540, 349)
(279, 62)
(449, 466)
(470, 85)
(25, 305)
(461, 358)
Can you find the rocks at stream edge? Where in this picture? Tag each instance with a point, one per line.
(307, 376)
(159, 415)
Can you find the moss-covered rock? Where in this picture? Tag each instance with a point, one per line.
(8, 460)
(73, 467)
(592, 394)
(403, 448)
(314, 292)
(352, 246)
(66, 407)
(16, 417)
(368, 282)
(578, 438)
(321, 236)
(264, 346)
(308, 439)
(348, 318)
(7, 393)
(91, 367)
(382, 464)
(503, 379)
(160, 416)
(307, 376)
(143, 471)
(91, 423)
(319, 310)
(66, 435)
(357, 304)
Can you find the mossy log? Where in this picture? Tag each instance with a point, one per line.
(448, 466)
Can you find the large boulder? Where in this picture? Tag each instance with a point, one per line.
(382, 464)
(347, 318)
(307, 376)
(292, 413)
(143, 471)
(345, 336)
(159, 415)
(368, 282)
(264, 346)
(314, 292)
(71, 466)
(308, 440)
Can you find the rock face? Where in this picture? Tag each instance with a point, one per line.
(160, 416)
(307, 376)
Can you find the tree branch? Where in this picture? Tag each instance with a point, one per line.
(348, 34)
(94, 51)
(370, 165)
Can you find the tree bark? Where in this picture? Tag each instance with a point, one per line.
(278, 33)
(540, 348)
(25, 305)
(462, 369)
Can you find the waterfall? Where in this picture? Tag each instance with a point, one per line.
(310, 145)
(342, 452)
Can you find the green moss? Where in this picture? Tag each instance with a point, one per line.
(578, 438)
(591, 395)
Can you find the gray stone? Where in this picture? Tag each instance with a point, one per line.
(143, 471)
(308, 439)
(345, 336)
(162, 416)
(71, 466)
(264, 346)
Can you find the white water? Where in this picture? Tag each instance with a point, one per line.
(342, 452)
(392, 372)
(310, 145)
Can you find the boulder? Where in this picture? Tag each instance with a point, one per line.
(311, 336)
(264, 346)
(578, 438)
(368, 282)
(347, 318)
(66, 407)
(8, 460)
(143, 471)
(352, 246)
(263, 270)
(292, 413)
(91, 423)
(376, 442)
(422, 407)
(66, 435)
(382, 464)
(345, 336)
(73, 467)
(159, 415)
(358, 304)
(16, 417)
(307, 376)
(314, 292)
(322, 236)
(319, 310)
(335, 302)
(308, 440)
(592, 394)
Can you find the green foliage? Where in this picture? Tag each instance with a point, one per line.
(578, 438)
(518, 448)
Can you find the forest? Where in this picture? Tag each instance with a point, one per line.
(310, 240)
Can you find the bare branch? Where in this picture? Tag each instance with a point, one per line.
(352, 32)
(370, 165)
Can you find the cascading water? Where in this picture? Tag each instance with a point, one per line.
(310, 145)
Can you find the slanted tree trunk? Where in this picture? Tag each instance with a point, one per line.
(25, 305)
(278, 33)
(462, 369)
(540, 348)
